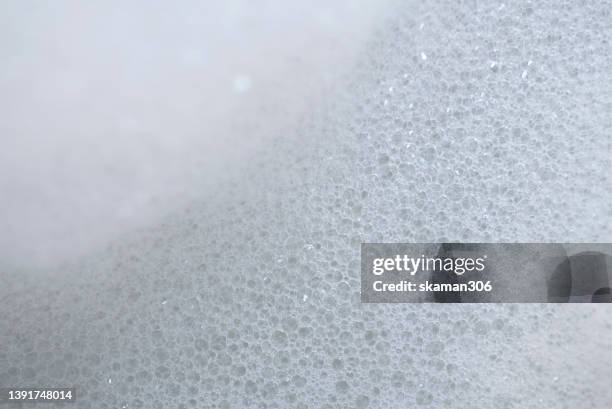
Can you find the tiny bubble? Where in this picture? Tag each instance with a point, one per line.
(242, 83)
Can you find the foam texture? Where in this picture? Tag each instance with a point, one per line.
(465, 121)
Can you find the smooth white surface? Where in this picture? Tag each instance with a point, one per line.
(116, 113)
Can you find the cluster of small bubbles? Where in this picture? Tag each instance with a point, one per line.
(480, 124)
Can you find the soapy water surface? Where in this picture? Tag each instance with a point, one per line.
(453, 121)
